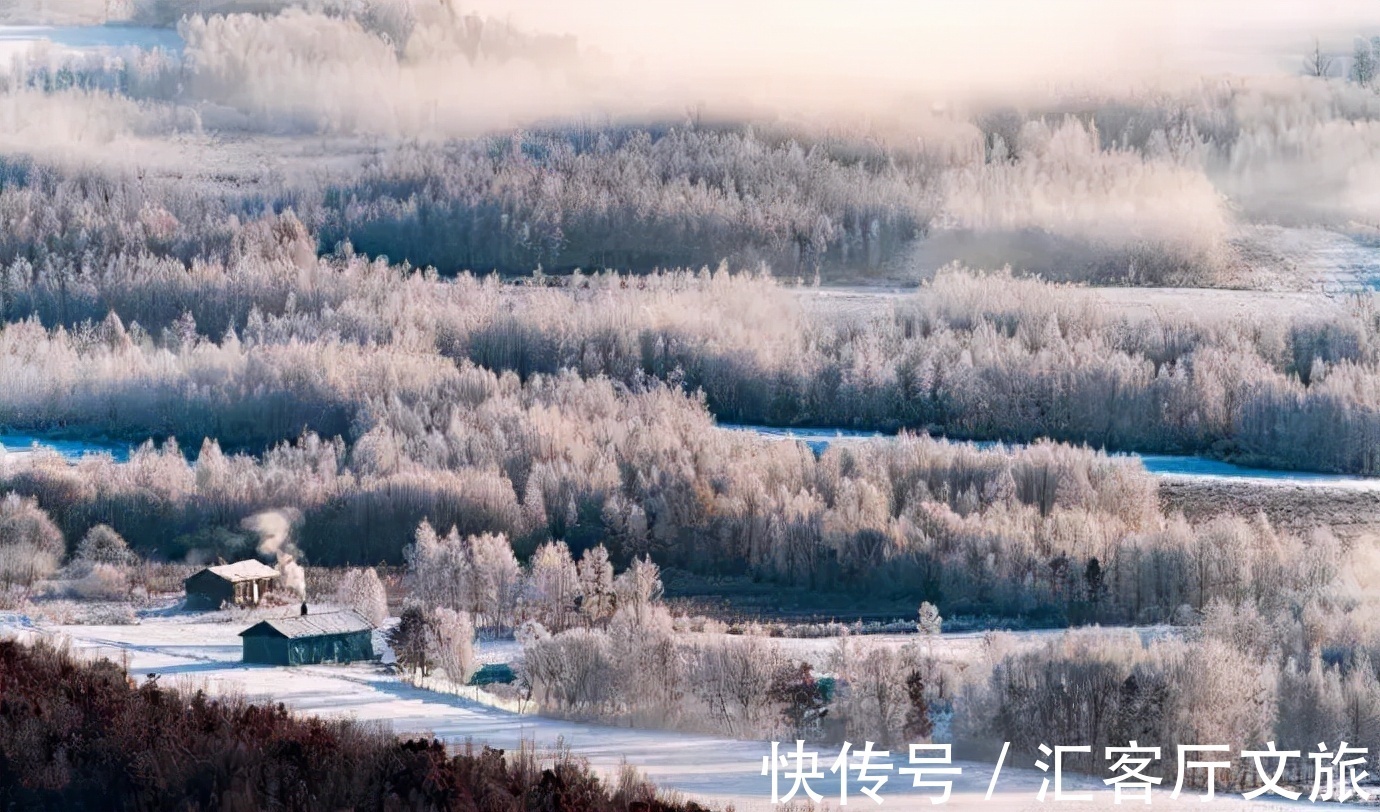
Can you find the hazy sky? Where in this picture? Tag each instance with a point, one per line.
(983, 44)
(888, 66)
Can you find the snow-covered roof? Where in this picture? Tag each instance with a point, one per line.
(249, 570)
(297, 626)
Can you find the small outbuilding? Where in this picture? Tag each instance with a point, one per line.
(243, 583)
(331, 637)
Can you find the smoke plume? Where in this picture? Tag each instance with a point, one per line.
(275, 538)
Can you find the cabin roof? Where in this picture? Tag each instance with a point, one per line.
(300, 626)
(248, 570)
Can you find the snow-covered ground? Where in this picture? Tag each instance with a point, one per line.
(1325, 259)
(187, 650)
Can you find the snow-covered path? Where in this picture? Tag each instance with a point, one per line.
(181, 650)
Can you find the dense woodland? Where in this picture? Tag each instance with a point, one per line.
(1140, 185)
(1012, 532)
(279, 342)
(159, 303)
(370, 398)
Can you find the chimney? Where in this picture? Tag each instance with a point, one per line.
(304, 608)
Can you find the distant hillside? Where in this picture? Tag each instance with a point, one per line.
(76, 735)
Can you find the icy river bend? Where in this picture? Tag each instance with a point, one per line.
(1164, 465)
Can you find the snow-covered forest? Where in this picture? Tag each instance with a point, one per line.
(459, 313)
(1141, 185)
(280, 341)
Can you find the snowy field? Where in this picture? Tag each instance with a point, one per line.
(187, 651)
(1333, 261)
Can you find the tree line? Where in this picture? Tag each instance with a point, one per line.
(969, 355)
(1044, 532)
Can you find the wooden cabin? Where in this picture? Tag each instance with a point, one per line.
(243, 583)
(307, 639)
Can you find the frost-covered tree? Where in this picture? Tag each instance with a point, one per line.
(441, 569)
(1360, 706)
(1362, 70)
(496, 581)
(733, 679)
(596, 585)
(105, 582)
(476, 574)
(568, 671)
(877, 699)
(452, 643)
(650, 666)
(362, 591)
(928, 621)
(31, 546)
(638, 588)
(553, 586)
(102, 545)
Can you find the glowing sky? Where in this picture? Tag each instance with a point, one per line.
(977, 44)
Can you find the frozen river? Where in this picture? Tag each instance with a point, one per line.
(1165, 465)
(17, 443)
